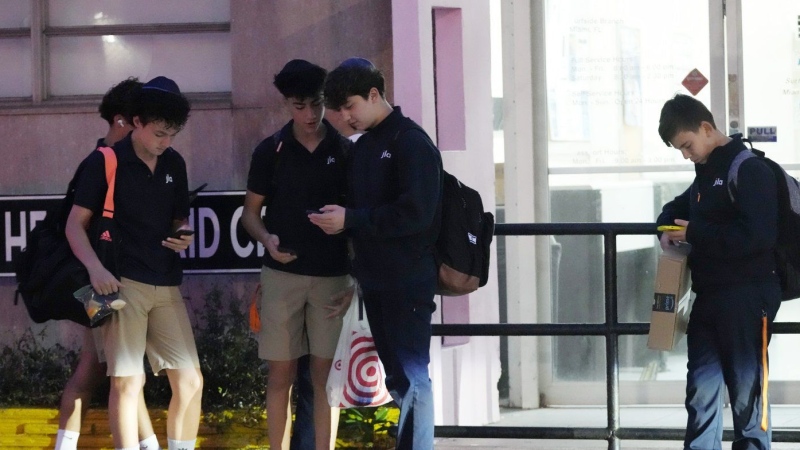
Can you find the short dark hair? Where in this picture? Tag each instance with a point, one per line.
(682, 113)
(159, 100)
(355, 76)
(116, 99)
(300, 79)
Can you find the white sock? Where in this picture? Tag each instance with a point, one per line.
(180, 445)
(67, 440)
(150, 443)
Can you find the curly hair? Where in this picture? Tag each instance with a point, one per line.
(116, 99)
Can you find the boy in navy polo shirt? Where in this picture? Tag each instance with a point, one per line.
(91, 363)
(151, 203)
(299, 169)
(733, 273)
(392, 215)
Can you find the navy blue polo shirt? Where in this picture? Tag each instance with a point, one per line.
(146, 204)
(294, 180)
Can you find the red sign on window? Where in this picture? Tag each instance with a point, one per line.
(695, 81)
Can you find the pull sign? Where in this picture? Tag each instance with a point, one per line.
(762, 134)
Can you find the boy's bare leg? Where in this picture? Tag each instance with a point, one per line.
(183, 416)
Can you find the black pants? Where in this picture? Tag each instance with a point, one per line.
(400, 321)
(726, 349)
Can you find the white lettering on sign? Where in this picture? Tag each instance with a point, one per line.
(20, 241)
(15, 241)
(762, 134)
(208, 215)
(243, 251)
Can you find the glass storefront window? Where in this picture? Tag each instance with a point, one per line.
(610, 66)
(16, 76)
(194, 60)
(16, 14)
(103, 12)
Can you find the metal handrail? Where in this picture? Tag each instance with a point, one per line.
(611, 329)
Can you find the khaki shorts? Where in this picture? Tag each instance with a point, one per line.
(293, 313)
(97, 341)
(154, 321)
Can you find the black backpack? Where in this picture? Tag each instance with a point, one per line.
(464, 237)
(787, 249)
(464, 241)
(47, 271)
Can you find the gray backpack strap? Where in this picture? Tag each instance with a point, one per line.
(733, 171)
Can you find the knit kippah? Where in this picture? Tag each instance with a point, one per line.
(163, 84)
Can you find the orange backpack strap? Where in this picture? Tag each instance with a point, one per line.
(111, 177)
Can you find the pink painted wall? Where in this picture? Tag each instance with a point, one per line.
(465, 376)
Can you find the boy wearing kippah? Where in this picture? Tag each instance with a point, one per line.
(151, 203)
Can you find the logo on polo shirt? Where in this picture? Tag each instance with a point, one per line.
(386, 154)
(105, 236)
(169, 178)
(331, 160)
(718, 182)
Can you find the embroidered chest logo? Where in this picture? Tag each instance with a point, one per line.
(331, 160)
(717, 182)
(105, 236)
(169, 178)
(386, 154)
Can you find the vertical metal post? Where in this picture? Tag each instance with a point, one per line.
(612, 344)
(718, 78)
(735, 58)
(39, 49)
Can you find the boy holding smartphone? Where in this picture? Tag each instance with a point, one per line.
(733, 233)
(299, 169)
(151, 202)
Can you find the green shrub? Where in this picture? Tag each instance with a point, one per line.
(372, 427)
(235, 378)
(34, 375)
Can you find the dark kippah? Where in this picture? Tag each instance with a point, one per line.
(163, 84)
(357, 62)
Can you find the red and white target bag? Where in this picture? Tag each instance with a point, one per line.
(357, 377)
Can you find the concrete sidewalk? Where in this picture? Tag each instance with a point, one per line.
(671, 416)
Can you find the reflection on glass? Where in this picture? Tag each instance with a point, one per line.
(64, 13)
(198, 62)
(16, 77)
(611, 64)
(16, 14)
(771, 51)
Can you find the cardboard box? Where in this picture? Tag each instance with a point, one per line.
(671, 301)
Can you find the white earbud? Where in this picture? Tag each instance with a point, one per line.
(121, 123)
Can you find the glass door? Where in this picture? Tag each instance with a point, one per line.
(610, 66)
(770, 85)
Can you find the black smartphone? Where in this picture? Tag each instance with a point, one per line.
(287, 250)
(182, 232)
(313, 211)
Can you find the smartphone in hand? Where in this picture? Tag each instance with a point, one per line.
(287, 250)
(670, 227)
(313, 211)
(182, 232)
